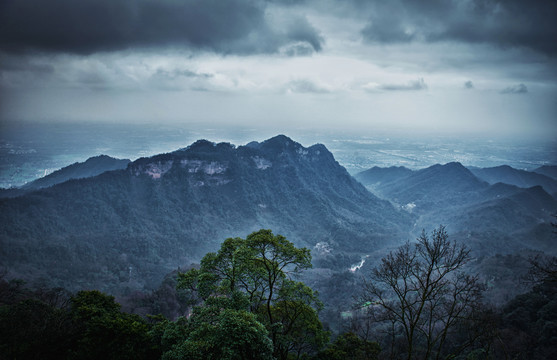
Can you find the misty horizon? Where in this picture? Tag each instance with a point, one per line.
(30, 150)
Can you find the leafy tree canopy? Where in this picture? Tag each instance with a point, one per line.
(350, 346)
(255, 274)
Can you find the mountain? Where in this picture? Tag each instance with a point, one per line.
(376, 175)
(547, 170)
(91, 167)
(435, 186)
(521, 178)
(127, 228)
(491, 219)
(79, 170)
(502, 219)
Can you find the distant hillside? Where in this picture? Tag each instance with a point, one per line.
(547, 170)
(91, 167)
(79, 170)
(127, 228)
(377, 175)
(501, 219)
(498, 218)
(437, 185)
(521, 178)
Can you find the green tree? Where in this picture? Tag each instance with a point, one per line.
(300, 331)
(32, 329)
(258, 270)
(350, 346)
(215, 333)
(104, 332)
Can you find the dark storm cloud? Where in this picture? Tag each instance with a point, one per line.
(510, 23)
(515, 89)
(89, 26)
(301, 30)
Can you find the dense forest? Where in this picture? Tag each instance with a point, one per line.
(245, 301)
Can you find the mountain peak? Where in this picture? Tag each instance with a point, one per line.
(201, 144)
(169, 202)
(454, 165)
(453, 172)
(279, 141)
(253, 145)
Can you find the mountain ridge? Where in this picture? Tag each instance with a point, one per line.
(168, 210)
(492, 218)
(93, 166)
(512, 176)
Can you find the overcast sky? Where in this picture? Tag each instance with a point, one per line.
(460, 66)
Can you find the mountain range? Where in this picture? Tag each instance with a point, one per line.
(125, 229)
(521, 178)
(484, 207)
(121, 226)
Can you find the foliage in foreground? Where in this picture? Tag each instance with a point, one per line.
(246, 305)
(253, 276)
(90, 326)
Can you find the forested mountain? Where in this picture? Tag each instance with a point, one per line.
(124, 231)
(547, 170)
(521, 178)
(498, 218)
(502, 224)
(91, 167)
(437, 185)
(127, 228)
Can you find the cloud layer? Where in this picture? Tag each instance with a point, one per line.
(89, 26)
(244, 27)
(341, 63)
(510, 23)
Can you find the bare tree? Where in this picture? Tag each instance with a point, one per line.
(543, 268)
(421, 294)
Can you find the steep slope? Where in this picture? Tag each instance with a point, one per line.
(132, 226)
(521, 178)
